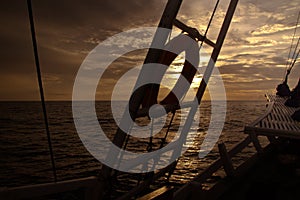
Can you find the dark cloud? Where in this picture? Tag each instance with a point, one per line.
(253, 56)
(66, 31)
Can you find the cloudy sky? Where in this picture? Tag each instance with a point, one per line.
(252, 61)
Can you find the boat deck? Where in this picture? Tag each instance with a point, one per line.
(277, 121)
(276, 174)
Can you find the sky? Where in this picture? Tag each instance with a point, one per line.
(252, 61)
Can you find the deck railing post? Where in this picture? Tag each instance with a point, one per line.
(226, 159)
(256, 143)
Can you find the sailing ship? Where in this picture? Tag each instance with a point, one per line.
(275, 124)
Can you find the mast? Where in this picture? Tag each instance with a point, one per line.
(153, 55)
(168, 19)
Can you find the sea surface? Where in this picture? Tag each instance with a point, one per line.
(25, 157)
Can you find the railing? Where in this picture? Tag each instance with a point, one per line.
(194, 187)
(88, 185)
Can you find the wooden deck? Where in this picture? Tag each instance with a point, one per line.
(89, 187)
(277, 121)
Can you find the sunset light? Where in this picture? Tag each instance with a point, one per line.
(150, 99)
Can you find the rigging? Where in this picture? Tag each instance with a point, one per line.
(41, 89)
(283, 88)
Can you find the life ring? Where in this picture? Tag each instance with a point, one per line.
(175, 46)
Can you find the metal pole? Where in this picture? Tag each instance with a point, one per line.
(40, 82)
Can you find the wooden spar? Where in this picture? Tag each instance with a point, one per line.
(167, 21)
(177, 146)
(193, 32)
(153, 56)
(207, 74)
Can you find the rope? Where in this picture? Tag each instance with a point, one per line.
(294, 57)
(295, 30)
(150, 144)
(163, 141)
(40, 82)
(292, 65)
(206, 31)
(205, 34)
(210, 21)
(288, 63)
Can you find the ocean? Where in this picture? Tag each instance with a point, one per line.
(25, 155)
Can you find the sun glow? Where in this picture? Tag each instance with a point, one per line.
(174, 72)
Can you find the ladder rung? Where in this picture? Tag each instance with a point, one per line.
(194, 32)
